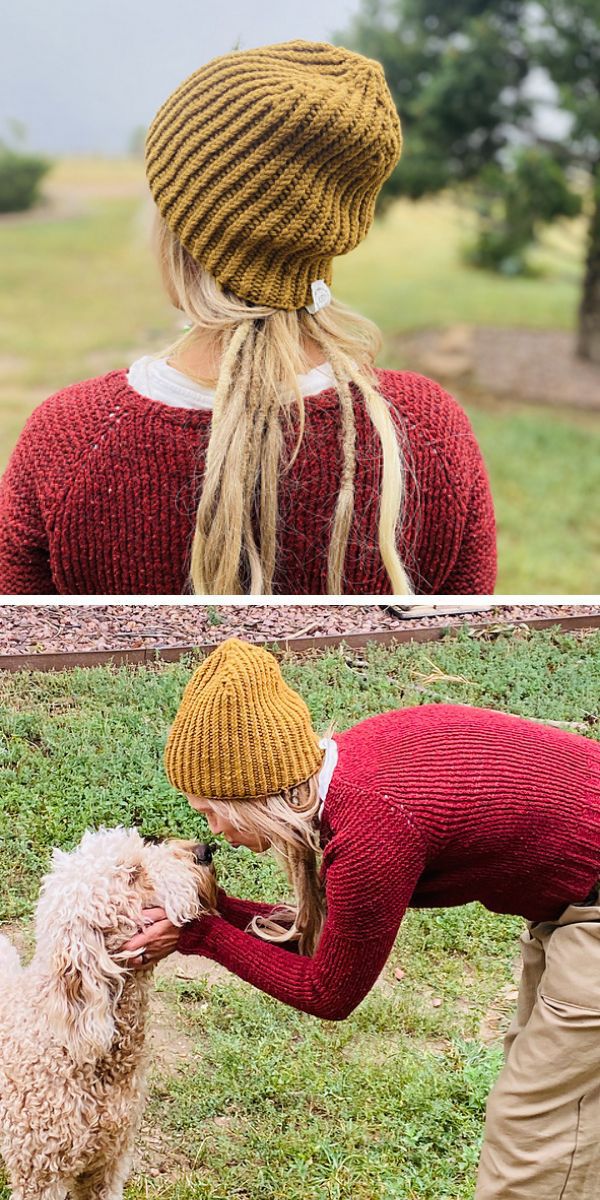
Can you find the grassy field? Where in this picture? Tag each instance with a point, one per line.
(250, 1099)
(80, 294)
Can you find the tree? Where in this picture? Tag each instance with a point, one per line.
(566, 43)
(455, 72)
(459, 74)
(513, 203)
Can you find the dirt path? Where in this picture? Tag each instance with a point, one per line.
(534, 366)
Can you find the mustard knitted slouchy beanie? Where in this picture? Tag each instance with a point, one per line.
(240, 732)
(266, 163)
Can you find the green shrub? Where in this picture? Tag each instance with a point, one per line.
(20, 177)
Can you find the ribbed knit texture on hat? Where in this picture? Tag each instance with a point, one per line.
(266, 164)
(240, 732)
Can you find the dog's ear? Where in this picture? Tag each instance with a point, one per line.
(178, 894)
(183, 893)
(82, 991)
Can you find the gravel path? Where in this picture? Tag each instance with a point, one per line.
(30, 629)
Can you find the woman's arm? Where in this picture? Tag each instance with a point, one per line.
(240, 912)
(329, 986)
(474, 572)
(367, 896)
(449, 508)
(24, 552)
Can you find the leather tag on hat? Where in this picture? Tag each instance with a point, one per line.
(321, 296)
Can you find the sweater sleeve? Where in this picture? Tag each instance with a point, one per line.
(240, 912)
(24, 551)
(367, 895)
(449, 513)
(474, 572)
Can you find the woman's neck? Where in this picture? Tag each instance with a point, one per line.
(200, 360)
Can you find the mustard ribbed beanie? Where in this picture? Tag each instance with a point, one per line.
(266, 164)
(240, 732)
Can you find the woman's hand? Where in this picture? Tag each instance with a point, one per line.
(158, 939)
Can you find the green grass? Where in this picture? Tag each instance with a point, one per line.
(545, 474)
(81, 294)
(355, 1110)
(387, 1105)
(407, 273)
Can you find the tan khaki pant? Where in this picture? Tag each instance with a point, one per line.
(542, 1129)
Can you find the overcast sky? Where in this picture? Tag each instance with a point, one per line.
(82, 74)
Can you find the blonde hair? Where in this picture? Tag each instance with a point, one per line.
(260, 350)
(287, 821)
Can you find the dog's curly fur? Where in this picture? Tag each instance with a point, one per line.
(72, 1060)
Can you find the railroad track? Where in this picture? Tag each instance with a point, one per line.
(69, 659)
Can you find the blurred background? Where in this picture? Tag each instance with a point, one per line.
(482, 270)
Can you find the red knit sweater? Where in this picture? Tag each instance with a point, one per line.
(101, 491)
(438, 805)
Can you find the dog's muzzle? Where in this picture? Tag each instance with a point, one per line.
(203, 853)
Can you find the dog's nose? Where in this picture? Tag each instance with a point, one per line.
(203, 852)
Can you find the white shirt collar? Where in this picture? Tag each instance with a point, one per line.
(326, 772)
(157, 380)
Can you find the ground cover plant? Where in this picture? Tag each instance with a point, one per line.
(79, 295)
(250, 1099)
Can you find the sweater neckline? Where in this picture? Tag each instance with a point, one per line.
(328, 398)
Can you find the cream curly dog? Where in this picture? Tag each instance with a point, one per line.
(72, 1060)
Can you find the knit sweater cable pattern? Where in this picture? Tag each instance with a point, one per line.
(439, 805)
(101, 491)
